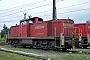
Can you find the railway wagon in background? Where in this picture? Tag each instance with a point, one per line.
(36, 33)
(84, 36)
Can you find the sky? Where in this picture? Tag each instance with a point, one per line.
(11, 11)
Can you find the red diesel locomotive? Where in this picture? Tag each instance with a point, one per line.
(36, 33)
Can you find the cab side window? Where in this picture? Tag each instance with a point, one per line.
(30, 21)
(24, 23)
(21, 23)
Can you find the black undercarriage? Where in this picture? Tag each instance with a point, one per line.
(41, 42)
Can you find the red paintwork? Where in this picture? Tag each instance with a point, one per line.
(36, 20)
(84, 28)
(44, 29)
(40, 29)
(14, 31)
(60, 28)
(24, 30)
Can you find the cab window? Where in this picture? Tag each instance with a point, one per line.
(30, 21)
(24, 23)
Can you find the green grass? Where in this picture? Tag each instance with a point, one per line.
(76, 58)
(2, 39)
(10, 56)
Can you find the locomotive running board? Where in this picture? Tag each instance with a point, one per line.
(32, 37)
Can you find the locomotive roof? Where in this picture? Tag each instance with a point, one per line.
(31, 19)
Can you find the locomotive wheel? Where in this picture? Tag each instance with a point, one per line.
(64, 49)
(85, 47)
(31, 47)
(23, 46)
(14, 45)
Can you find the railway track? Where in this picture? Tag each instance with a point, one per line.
(29, 54)
(24, 53)
(44, 54)
(74, 51)
(3, 43)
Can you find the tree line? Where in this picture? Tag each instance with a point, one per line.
(4, 31)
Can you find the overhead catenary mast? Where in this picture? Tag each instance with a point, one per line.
(54, 15)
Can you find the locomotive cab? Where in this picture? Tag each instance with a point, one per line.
(31, 20)
(35, 20)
